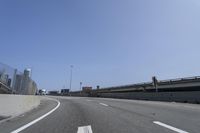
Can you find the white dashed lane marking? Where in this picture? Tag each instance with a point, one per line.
(88, 100)
(85, 129)
(169, 127)
(103, 104)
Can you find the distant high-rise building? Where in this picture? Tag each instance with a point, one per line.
(24, 84)
(27, 72)
(9, 82)
(18, 83)
(4, 78)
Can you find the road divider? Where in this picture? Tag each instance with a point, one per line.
(170, 127)
(15, 105)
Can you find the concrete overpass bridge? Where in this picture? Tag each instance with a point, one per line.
(178, 90)
(180, 84)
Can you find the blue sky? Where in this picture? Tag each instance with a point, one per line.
(109, 42)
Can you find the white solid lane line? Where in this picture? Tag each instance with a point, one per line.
(85, 129)
(103, 104)
(170, 127)
(36, 120)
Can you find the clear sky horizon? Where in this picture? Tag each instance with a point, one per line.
(109, 42)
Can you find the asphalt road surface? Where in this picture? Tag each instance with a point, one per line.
(100, 115)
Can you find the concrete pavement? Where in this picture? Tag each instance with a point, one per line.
(101, 115)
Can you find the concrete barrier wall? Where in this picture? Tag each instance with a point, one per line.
(191, 97)
(12, 105)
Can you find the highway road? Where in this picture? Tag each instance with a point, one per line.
(101, 115)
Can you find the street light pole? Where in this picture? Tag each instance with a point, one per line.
(70, 86)
(80, 85)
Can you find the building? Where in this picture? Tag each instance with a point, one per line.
(64, 91)
(18, 83)
(27, 72)
(9, 82)
(24, 84)
(53, 92)
(86, 89)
